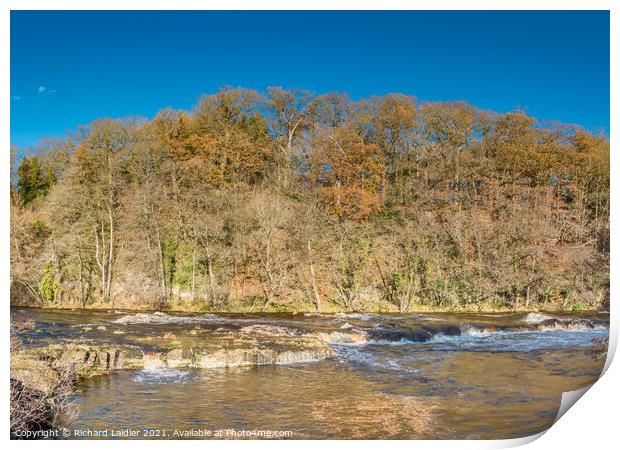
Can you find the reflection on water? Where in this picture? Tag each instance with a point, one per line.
(414, 376)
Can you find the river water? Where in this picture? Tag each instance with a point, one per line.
(414, 376)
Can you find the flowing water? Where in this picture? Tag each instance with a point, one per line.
(442, 376)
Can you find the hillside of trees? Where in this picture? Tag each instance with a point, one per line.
(290, 201)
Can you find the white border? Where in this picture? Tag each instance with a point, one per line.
(590, 424)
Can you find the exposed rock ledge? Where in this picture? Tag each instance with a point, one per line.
(188, 350)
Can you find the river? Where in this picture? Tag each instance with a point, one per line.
(397, 376)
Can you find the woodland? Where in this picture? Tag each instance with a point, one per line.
(286, 200)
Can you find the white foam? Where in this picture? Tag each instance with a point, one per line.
(268, 329)
(338, 337)
(570, 326)
(161, 375)
(535, 317)
(383, 342)
(357, 316)
(477, 332)
(159, 317)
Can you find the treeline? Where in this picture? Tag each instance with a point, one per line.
(291, 201)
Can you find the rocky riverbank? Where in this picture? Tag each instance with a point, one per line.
(191, 348)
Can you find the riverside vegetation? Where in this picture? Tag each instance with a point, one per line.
(289, 201)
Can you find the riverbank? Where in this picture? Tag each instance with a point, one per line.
(176, 308)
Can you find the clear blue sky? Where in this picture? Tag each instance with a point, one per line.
(69, 68)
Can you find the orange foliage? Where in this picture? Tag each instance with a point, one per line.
(350, 172)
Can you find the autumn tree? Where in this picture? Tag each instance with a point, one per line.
(332, 109)
(269, 246)
(98, 182)
(350, 172)
(231, 138)
(388, 122)
(288, 118)
(449, 130)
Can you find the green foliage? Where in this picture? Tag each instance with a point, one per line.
(292, 195)
(170, 259)
(184, 264)
(33, 179)
(39, 230)
(577, 307)
(398, 280)
(49, 287)
(390, 212)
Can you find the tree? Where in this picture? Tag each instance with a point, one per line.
(231, 143)
(33, 179)
(330, 110)
(388, 122)
(349, 171)
(269, 245)
(287, 121)
(98, 184)
(449, 128)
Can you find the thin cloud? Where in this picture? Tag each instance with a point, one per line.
(41, 89)
(17, 97)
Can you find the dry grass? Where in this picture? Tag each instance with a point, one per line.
(41, 391)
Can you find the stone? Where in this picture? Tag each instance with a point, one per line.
(195, 349)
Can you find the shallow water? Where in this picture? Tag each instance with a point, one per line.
(486, 376)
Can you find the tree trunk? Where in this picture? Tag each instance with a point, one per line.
(527, 297)
(162, 266)
(111, 255)
(193, 273)
(211, 276)
(315, 290)
(100, 254)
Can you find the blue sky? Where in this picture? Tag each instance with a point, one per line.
(69, 68)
